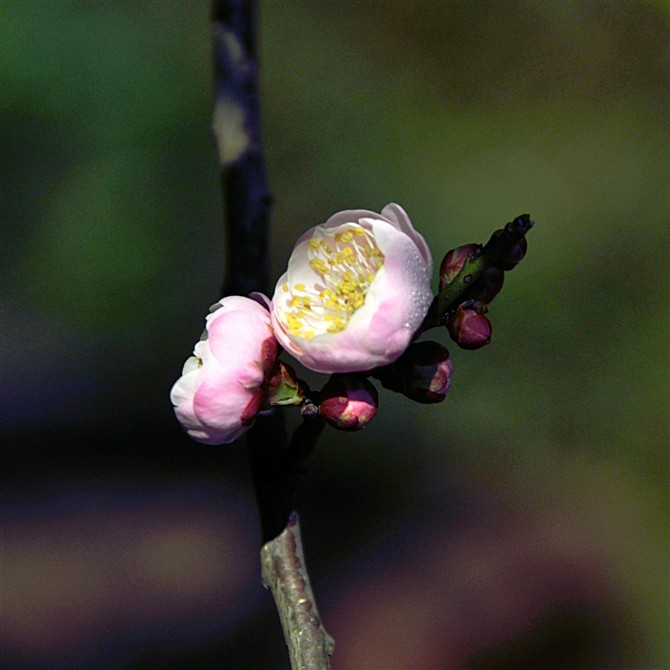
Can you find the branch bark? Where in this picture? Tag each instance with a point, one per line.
(285, 574)
(237, 127)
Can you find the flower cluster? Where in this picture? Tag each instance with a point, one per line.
(351, 303)
(466, 321)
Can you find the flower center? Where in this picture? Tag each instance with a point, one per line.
(346, 263)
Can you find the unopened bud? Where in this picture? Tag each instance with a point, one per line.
(425, 372)
(490, 284)
(515, 255)
(454, 261)
(348, 402)
(422, 373)
(469, 329)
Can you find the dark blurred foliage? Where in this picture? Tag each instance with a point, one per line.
(521, 524)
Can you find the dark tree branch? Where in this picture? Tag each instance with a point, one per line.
(236, 124)
(275, 465)
(277, 470)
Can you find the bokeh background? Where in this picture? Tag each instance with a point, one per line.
(523, 523)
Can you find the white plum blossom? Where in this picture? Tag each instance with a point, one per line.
(222, 385)
(356, 290)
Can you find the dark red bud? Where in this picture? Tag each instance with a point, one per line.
(491, 284)
(454, 261)
(469, 329)
(515, 255)
(422, 373)
(348, 402)
(426, 368)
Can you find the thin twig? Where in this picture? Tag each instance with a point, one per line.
(275, 465)
(467, 280)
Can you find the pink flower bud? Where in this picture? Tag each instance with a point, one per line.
(454, 261)
(356, 290)
(348, 402)
(469, 329)
(222, 385)
(424, 372)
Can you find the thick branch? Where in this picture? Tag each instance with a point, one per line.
(277, 469)
(284, 573)
(276, 472)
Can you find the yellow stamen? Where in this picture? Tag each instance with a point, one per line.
(346, 263)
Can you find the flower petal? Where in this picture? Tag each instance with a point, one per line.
(398, 216)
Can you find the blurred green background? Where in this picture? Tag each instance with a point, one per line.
(521, 524)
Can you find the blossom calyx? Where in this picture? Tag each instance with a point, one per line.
(356, 290)
(348, 402)
(284, 387)
(469, 328)
(223, 384)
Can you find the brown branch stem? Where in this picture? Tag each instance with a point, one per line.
(285, 575)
